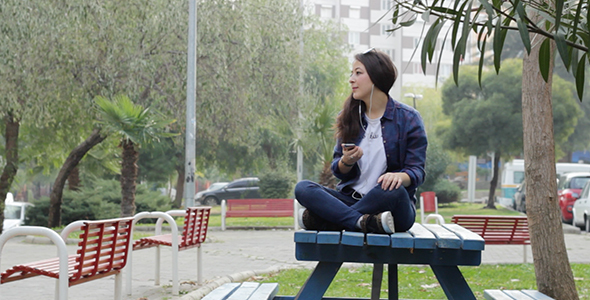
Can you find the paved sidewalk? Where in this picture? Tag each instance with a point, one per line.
(227, 255)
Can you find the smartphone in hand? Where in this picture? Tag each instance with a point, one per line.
(348, 145)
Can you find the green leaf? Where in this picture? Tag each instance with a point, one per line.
(545, 58)
(456, 23)
(522, 26)
(482, 51)
(580, 74)
(499, 38)
(444, 10)
(458, 58)
(524, 35)
(395, 15)
(430, 40)
(490, 12)
(577, 18)
(558, 11)
(562, 48)
(409, 22)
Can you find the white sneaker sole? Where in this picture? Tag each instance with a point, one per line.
(300, 218)
(387, 222)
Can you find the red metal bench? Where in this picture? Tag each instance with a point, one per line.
(498, 230)
(102, 251)
(194, 233)
(255, 208)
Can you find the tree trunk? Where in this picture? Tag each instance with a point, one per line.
(179, 185)
(74, 179)
(494, 182)
(54, 218)
(128, 178)
(552, 268)
(37, 190)
(11, 167)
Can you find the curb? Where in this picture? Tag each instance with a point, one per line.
(236, 277)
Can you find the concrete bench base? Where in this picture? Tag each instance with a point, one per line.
(512, 294)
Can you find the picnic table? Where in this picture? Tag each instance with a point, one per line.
(442, 247)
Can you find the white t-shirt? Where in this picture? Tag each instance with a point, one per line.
(373, 163)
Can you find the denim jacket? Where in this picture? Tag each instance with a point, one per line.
(404, 139)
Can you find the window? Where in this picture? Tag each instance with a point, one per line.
(238, 184)
(385, 27)
(518, 176)
(385, 4)
(354, 38)
(354, 12)
(389, 52)
(326, 11)
(445, 70)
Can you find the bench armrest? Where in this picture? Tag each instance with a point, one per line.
(62, 251)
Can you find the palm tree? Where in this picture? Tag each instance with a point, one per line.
(134, 125)
(323, 129)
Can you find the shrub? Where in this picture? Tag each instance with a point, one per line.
(98, 200)
(447, 192)
(276, 184)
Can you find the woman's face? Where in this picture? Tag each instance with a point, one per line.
(360, 82)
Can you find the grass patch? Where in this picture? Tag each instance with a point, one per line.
(446, 210)
(419, 282)
(465, 208)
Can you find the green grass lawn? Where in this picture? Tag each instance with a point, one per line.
(418, 282)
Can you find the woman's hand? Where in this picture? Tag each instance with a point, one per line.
(351, 154)
(390, 180)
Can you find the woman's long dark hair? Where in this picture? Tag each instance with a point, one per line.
(383, 74)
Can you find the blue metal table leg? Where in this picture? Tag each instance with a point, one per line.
(318, 282)
(453, 283)
(376, 283)
(392, 282)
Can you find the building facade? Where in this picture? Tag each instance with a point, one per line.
(367, 23)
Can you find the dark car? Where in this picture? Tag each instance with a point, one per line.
(519, 198)
(568, 191)
(243, 188)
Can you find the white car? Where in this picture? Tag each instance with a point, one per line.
(581, 209)
(14, 213)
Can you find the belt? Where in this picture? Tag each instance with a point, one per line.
(352, 192)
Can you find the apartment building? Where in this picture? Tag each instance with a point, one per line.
(367, 22)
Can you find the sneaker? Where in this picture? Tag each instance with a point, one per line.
(379, 223)
(311, 221)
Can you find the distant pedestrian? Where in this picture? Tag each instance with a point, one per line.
(379, 157)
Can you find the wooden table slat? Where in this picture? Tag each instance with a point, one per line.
(423, 238)
(445, 238)
(378, 239)
(305, 236)
(471, 240)
(329, 237)
(352, 238)
(402, 240)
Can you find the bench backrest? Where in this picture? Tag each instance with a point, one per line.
(259, 208)
(196, 222)
(103, 247)
(497, 229)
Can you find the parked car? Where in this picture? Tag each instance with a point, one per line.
(518, 200)
(213, 187)
(581, 209)
(243, 188)
(14, 212)
(568, 191)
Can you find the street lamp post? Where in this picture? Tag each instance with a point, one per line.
(414, 97)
